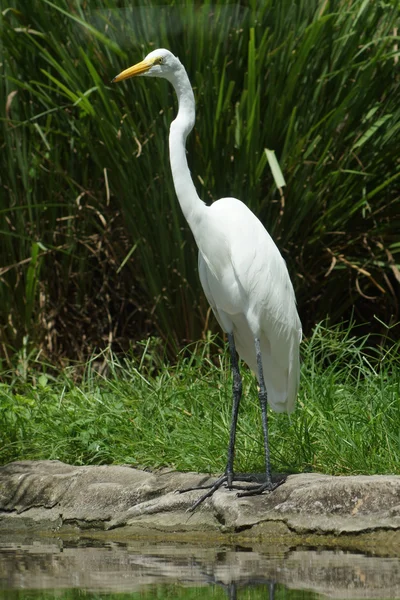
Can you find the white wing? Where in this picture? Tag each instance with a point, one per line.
(247, 284)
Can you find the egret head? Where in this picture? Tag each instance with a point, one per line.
(159, 63)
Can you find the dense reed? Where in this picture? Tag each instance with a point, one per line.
(94, 250)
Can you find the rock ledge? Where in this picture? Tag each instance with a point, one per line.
(51, 495)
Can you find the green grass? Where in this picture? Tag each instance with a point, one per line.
(147, 413)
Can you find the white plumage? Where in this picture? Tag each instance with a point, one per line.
(250, 292)
(242, 272)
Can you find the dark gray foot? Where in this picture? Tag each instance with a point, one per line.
(211, 489)
(268, 486)
(224, 479)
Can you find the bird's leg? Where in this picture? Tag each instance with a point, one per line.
(229, 476)
(237, 394)
(263, 396)
(264, 415)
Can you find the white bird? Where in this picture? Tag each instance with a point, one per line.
(243, 275)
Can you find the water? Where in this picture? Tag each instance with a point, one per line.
(68, 570)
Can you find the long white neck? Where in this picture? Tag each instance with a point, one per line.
(188, 198)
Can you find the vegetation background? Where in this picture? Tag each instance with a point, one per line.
(94, 250)
(95, 255)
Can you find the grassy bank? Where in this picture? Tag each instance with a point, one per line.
(143, 412)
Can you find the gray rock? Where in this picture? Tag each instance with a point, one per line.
(47, 495)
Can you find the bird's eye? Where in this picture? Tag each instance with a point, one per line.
(159, 60)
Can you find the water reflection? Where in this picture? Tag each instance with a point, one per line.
(181, 571)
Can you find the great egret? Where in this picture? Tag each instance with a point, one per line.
(243, 275)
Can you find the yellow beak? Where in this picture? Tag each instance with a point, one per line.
(138, 69)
